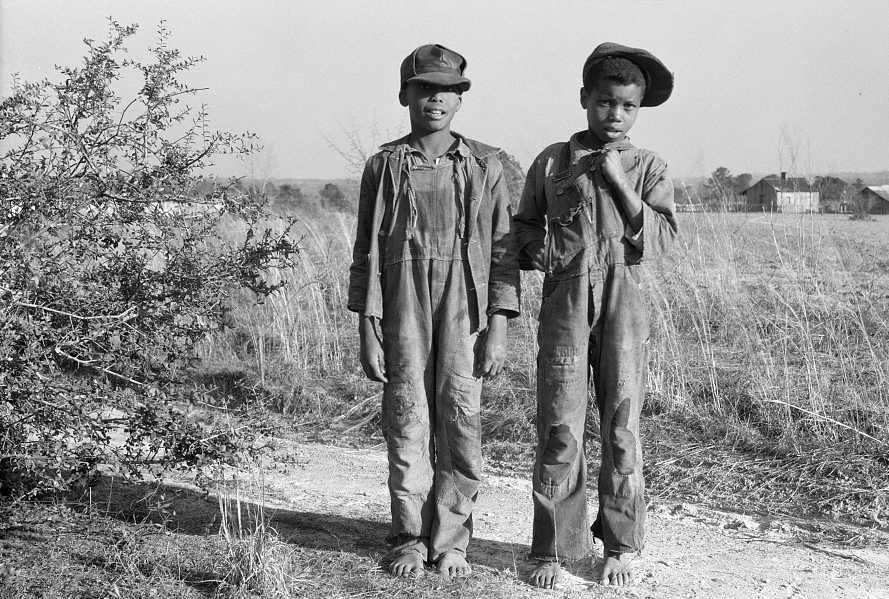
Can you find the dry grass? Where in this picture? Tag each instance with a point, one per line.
(769, 344)
(82, 551)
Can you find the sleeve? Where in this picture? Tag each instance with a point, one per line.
(529, 222)
(503, 285)
(659, 226)
(359, 270)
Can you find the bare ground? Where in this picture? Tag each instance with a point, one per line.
(336, 498)
(330, 506)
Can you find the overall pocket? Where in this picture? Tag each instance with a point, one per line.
(569, 223)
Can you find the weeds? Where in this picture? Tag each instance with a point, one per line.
(257, 561)
(769, 342)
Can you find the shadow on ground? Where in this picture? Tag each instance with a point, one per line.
(188, 511)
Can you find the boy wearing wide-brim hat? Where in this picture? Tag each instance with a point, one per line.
(434, 277)
(593, 211)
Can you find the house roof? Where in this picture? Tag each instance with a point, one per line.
(788, 184)
(882, 191)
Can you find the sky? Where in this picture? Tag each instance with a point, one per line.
(761, 85)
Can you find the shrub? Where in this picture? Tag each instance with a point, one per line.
(112, 265)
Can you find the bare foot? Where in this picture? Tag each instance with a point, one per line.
(406, 563)
(617, 569)
(546, 574)
(453, 565)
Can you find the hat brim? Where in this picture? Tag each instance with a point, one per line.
(441, 78)
(659, 79)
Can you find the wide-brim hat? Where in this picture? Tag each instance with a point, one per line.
(436, 64)
(658, 78)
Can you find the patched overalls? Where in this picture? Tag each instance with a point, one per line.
(431, 231)
(593, 318)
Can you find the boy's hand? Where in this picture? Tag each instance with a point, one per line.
(624, 195)
(493, 348)
(536, 253)
(373, 360)
(612, 169)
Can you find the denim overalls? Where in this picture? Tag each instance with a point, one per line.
(593, 317)
(445, 261)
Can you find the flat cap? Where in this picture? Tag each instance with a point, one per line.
(658, 78)
(436, 64)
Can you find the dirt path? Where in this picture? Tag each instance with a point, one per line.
(336, 498)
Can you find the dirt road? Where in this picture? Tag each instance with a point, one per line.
(337, 498)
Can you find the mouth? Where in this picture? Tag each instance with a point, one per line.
(434, 113)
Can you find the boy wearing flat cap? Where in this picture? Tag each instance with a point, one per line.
(593, 211)
(434, 277)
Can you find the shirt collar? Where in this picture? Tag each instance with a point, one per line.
(459, 147)
(579, 149)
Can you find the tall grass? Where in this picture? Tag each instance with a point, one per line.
(769, 335)
(774, 326)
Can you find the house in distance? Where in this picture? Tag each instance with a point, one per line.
(780, 193)
(873, 199)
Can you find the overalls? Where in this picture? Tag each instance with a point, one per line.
(431, 412)
(593, 316)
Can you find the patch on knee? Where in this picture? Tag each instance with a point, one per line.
(558, 455)
(559, 355)
(623, 441)
(465, 449)
(399, 406)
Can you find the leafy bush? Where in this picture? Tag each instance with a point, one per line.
(112, 265)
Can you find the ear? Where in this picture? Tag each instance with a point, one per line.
(402, 97)
(459, 102)
(584, 97)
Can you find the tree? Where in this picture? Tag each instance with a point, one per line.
(722, 190)
(861, 203)
(515, 177)
(719, 190)
(742, 182)
(333, 198)
(113, 265)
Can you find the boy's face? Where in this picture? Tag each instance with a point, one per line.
(431, 106)
(611, 109)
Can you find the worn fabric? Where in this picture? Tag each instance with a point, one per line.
(593, 318)
(384, 233)
(435, 219)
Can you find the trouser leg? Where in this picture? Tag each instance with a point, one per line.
(407, 344)
(458, 460)
(619, 353)
(560, 529)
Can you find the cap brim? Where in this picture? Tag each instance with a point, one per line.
(442, 79)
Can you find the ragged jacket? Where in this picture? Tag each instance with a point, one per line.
(382, 240)
(568, 209)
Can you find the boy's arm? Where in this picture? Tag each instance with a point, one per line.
(529, 222)
(651, 217)
(373, 360)
(371, 346)
(359, 270)
(503, 280)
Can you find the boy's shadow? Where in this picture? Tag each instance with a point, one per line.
(190, 512)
